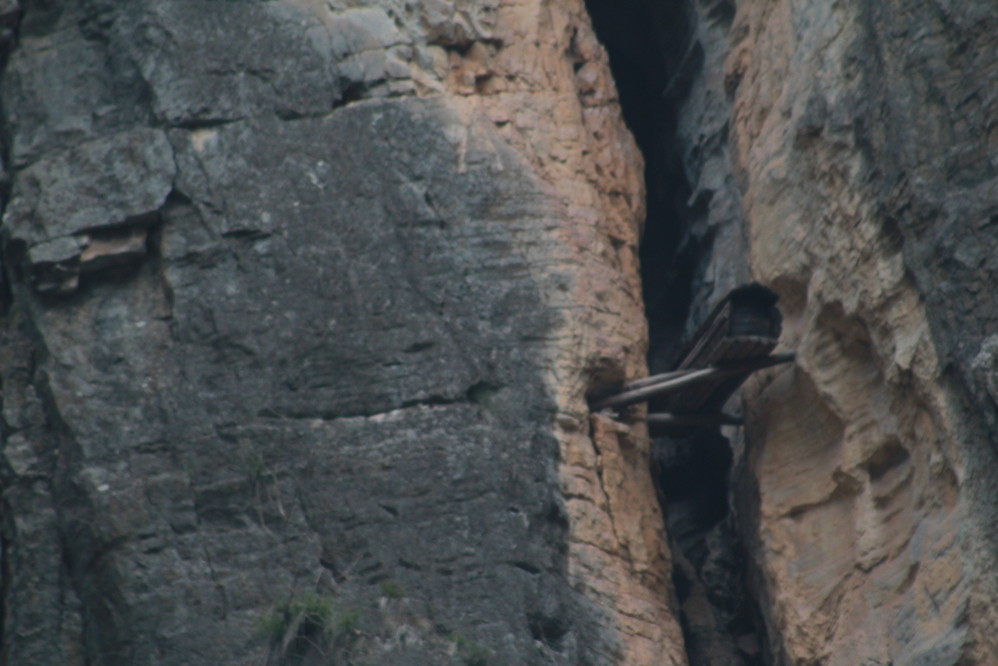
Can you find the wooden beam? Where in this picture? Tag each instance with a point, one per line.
(706, 420)
(653, 379)
(677, 381)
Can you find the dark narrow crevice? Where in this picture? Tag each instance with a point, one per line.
(6, 534)
(10, 21)
(656, 57)
(647, 63)
(9, 24)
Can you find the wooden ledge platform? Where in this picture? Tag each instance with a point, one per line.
(733, 342)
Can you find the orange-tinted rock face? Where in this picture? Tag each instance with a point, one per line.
(306, 299)
(858, 142)
(864, 462)
(551, 73)
(384, 251)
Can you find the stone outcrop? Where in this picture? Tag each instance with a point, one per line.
(868, 204)
(305, 302)
(861, 140)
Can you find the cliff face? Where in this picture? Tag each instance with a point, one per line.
(864, 136)
(844, 156)
(304, 303)
(304, 300)
(861, 137)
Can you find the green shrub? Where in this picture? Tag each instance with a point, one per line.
(309, 622)
(391, 589)
(469, 652)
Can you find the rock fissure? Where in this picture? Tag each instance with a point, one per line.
(341, 385)
(604, 497)
(656, 58)
(202, 124)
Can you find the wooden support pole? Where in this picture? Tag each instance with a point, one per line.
(687, 378)
(706, 420)
(677, 381)
(653, 379)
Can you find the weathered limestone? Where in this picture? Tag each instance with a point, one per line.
(859, 133)
(306, 300)
(844, 155)
(376, 259)
(617, 552)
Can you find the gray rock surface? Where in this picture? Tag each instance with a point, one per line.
(843, 154)
(111, 187)
(936, 84)
(324, 384)
(272, 386)
(303, 300)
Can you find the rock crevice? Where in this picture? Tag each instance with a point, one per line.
(827, 153)
(306, 299)
(412, 228)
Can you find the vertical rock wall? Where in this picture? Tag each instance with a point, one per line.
(862, 139)
(304, 302)
(843, 154)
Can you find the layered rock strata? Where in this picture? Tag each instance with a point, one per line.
(862, 141)
(305, 302)
(844, 155)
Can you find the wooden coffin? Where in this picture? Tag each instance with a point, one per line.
(744, 326)
(732, 343)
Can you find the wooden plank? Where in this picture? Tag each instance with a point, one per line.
(685, 380)
(653, 379)
(744, 325)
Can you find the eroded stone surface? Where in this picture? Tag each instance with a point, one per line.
(849, 148)
(866, 462)
(114, 186)
(389, 251)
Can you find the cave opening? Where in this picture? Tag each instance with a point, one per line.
(655, 57)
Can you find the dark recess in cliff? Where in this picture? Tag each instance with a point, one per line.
(655, 56)
(10, 17)
(649, 70)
